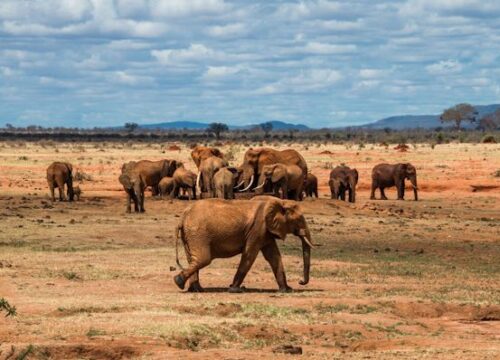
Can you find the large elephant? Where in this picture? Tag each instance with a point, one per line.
(207, 170)
(255, 159)
(58, 175)
(311, 185)
(184, 179)
(224, 183)
(388, 175)
(240, 227)
(201, 153)
(137, 175)
(287, 178)
(342, 179)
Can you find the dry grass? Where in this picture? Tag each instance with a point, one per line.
(389, 279)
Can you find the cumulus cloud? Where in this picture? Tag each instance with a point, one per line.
(319, 58)
(444, 67)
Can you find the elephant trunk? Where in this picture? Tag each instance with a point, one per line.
(415, 187)
(306, 253)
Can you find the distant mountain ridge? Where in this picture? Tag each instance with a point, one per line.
(425, 121)
(194, 125)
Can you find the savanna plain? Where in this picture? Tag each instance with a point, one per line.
(389, 279)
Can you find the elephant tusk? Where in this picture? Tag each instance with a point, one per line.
(260, 186)
(239, 185)
(249, 185)
(415, 187)
(304, 238)
(198, 181)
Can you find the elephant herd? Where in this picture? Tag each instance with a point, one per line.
(263, 171)
(239, 227)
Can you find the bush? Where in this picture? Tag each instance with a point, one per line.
(9, 309)
(81, 176)
(488, 139)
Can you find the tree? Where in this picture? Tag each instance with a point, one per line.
(490, 121)
(131, 126)
(458, 114)
(217, 129)
(267, 127)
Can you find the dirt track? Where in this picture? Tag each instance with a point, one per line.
(390, 279)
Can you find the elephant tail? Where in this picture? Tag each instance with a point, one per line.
(178, 234)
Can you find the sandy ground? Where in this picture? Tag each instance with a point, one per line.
(390, 279)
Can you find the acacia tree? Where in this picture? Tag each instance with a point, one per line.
(217, 129)
(458, 114)
(267, 127)
(490, 121)
(131, 126)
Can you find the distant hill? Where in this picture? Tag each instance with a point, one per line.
(424, 121)
(194, 125)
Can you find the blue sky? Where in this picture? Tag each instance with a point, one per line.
(320, 63)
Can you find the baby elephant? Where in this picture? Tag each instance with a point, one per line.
(77, 192)
(287, 178)
(224, 183)
(184, 179)
(311, 185)
(240, 227)
(166, 185)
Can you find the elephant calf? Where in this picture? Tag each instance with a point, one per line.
(342, 179)
(224, 183)
(240, 227)
(387, 175)
(60, 174)
(287, 178)
(311, 185)
(166, 185)
(184, 179)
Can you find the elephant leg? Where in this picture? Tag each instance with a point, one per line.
(129, 207)
(374, 187)
(194, 283)
(196, 262)
(247, 259)
(142, 203)
(272, 255)
(342, 195)
(60, 186)
(382, 194)
(401, 190)
(51, 187)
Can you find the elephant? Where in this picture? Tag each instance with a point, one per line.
(78, 192)
(201, 153)
(387, 175)
(134, 185)
(166, 186)
(224, 182)
(58, 175)
(207, 170)
(311, 185)
(287, 178)
(255, 159)
(137, 175)
(342, 179)
(184, 179)
(240, 227)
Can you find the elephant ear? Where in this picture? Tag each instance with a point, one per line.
(279, 172)
(70, 167)
(275, 215)
(125, 181)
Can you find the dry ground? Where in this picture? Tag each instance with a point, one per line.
(390, 279)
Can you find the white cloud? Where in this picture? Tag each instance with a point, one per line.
(229, 30)
(122, 77)
(219, 72)
(325, 49)
(444, 67)
(195, 52)
(305, 81)
(371, 73)
(176, 8)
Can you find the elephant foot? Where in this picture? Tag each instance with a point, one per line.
(285, 289)
(195, 287)
(180, 281)
(400, 198)
(383, 198)
(235, 289)
(372, 198)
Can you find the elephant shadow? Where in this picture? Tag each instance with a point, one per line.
(258, 290)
